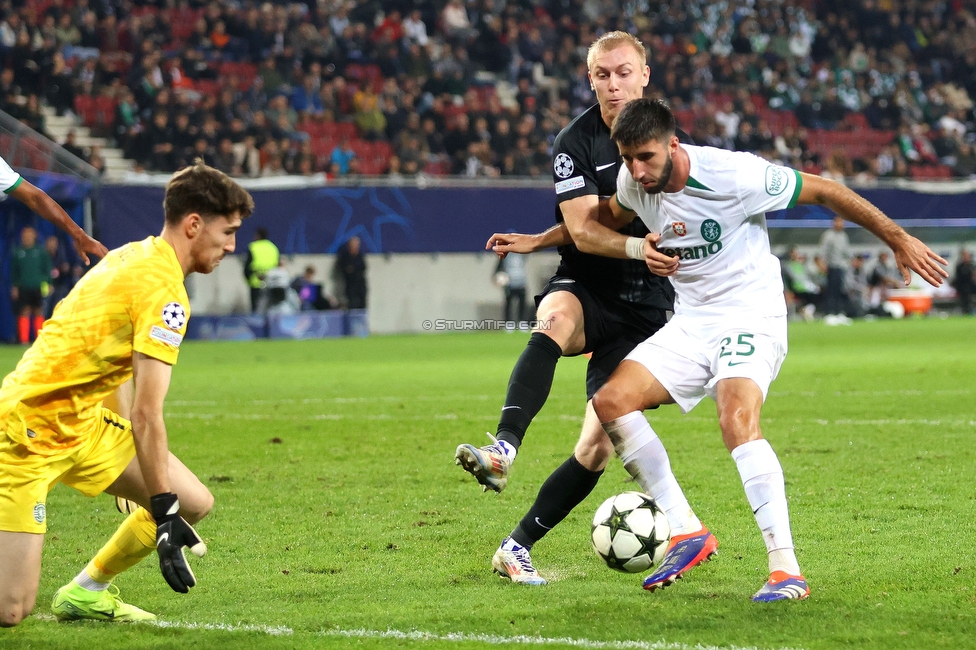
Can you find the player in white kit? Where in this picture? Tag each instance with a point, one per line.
(705, 209)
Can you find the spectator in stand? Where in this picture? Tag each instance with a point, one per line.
(278, 107)
(160, 134)
(839, 167)
(203, 150)
(390, 30)
(305, 99)
(66, 32)
(225, 160)
(368, 116)
(457, 25)
(458, 137)
(842, 60)
(415, 30)
(342, 155)
(59, 91)
(965, 165)
(32, 115)
(96, 160)
(70, 145)
(248, 157)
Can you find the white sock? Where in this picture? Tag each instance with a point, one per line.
(507, 449)
(85, 581)
(644, 456)
(762, 478)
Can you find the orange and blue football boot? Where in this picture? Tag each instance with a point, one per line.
(782, 586)
(684, 553)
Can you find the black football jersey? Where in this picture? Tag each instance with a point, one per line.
(585, 161)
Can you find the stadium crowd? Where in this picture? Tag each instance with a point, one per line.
(870, 88)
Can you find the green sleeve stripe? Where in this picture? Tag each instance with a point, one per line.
(20, 179)
(797, 190)
(616, 197)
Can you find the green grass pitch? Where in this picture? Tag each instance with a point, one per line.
(341, 520)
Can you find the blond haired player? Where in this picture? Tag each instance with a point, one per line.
(124, 319)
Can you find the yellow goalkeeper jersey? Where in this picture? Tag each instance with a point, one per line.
(133, 300)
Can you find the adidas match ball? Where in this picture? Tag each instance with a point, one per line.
(630, 532)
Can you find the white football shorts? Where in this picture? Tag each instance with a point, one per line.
(690, 355)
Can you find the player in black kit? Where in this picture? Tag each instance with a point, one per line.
(592, 305)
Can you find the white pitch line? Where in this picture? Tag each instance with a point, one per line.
(932, 423)
(273, 630)
(551, 418)
(906, 392)
(495, 639)
(482, 398)
(328, 400)
(418, 635)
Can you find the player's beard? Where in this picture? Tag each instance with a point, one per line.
(663, 179)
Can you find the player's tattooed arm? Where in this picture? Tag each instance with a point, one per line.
(503, 243)
(910, 253)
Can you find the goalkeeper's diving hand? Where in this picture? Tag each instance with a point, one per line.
(172, 534)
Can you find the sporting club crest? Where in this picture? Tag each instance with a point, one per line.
(710, 230)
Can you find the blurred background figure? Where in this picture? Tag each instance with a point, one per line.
(278, 296)
(510, 275)
(350, 274)
(836, 248)
(803, 295)
(311, 292)
(30, 277)
(883, 278)
(62, 275)
(964, 281)
(262, 256)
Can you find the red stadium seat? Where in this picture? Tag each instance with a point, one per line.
(85, 107)
(346, 130)
(104, 110)
(934, 172)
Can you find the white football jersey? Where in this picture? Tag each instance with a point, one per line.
(717, 226)
(9, 179)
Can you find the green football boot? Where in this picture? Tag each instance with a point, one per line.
(72, 603)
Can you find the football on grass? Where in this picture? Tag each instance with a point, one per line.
(630, 532)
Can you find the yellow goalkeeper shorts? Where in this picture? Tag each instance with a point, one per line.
(26, 477)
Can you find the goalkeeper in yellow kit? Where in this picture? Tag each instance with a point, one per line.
(124, 320)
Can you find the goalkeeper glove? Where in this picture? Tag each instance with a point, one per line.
(172, 534)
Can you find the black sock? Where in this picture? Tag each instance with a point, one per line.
(528, 387)
(563, 490)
